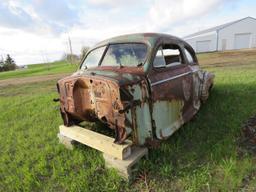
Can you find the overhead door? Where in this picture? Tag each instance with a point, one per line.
(242, 40)
(203, 46)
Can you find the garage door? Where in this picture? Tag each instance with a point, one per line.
(203, 46)
(242, 40)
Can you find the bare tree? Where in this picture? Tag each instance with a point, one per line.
(71, 51)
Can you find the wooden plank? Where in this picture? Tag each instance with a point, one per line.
(69, 143)
(97, 141)
(124, 167)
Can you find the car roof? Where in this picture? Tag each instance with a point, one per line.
(148, 38)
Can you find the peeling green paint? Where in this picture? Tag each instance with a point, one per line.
(167, 117)
(142, 115)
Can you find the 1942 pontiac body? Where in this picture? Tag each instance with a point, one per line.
(143, 86)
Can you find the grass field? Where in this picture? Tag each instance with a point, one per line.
(201, 156)
(40, 69)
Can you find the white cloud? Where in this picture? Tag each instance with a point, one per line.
(28, 47)
(112, 3)
(164, 13)
(86, 23)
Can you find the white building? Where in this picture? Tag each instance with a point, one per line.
(238, 34)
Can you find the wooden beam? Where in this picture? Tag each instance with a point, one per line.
(69, 143)
(97, 141)
(125, 167)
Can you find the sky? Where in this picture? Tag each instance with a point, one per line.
(37, 31)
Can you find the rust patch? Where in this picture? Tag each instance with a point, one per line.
(207, 85)
(87, 98)
(186, 85)
(133, 70)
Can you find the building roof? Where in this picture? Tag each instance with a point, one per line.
(216, 28)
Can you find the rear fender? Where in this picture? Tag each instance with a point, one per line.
(208, 80)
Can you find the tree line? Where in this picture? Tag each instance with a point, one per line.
(8, 64)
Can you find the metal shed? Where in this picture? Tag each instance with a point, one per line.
(239, 34)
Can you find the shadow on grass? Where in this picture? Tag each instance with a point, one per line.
(208, 139)
(40, 163)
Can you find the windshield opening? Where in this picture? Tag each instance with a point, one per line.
(125, 55)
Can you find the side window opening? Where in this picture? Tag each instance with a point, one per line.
(189, 56)
(167, 56)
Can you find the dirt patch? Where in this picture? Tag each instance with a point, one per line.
(228, 58)
(247, 182)
(24, 80)
(247, 141)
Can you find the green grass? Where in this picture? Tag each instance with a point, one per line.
(201, 156)
(40, 69)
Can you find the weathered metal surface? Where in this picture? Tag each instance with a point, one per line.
(143, 102)
(206, 85)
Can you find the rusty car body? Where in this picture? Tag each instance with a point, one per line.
(143, 86)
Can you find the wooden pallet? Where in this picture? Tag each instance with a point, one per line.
(121, 157)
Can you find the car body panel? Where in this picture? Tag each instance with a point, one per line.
(144, 103)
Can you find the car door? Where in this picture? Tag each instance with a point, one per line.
(197, 75)
(171, 89)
